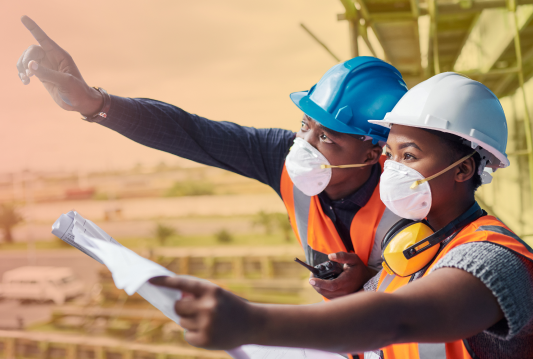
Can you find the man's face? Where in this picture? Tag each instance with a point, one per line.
(427, 154)
(338, 148)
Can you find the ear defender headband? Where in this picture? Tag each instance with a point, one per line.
(411, 245)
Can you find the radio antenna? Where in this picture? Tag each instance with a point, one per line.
(310, 268)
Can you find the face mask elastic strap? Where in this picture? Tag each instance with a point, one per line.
(416, 183)
(343, 166)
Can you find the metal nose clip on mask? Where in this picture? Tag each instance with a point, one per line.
(406, 192)
(310, 170)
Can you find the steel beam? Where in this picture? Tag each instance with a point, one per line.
(507, 79)
(527, 118)
(432, 7)
(465, 38)
(352, 16)
(363, 11)
(477, 6)
(319, 42)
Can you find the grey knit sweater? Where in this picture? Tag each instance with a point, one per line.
(510, 278)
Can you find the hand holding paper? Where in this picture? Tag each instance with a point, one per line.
(214, 318)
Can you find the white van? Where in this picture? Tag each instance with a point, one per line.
(40, 283)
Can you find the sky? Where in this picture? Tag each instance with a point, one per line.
(230, 60)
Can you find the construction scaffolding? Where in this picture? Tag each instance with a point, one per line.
(490, 41)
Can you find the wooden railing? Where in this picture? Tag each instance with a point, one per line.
(34, 345)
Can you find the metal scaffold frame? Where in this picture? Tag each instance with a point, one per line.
(511, 5)
(396, 26)
(518, 69)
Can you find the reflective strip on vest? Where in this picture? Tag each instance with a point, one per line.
(425, 350)
(385, 283)
(432, 350)
(505, 232)
(388, 219)
(302, 204)
(371, 355)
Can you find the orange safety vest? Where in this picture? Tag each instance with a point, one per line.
(316, 232)
(484, 229)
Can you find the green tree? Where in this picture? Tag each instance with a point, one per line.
(284, 225)
(265, 220)
(191, 188)
(9, 218)
(163, 232)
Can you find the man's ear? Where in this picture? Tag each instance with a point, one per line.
(373, 154)
(465, 170)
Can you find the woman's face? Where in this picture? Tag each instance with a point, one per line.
(427, 154)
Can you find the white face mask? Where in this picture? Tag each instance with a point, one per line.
(396, 193)
(308, 169)
(304, 166)
(406, 192)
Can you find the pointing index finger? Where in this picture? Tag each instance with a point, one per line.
(39, 35)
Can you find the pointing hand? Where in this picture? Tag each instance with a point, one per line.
(56, 69)
(213, 318)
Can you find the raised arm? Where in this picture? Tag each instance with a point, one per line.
(251, 152)
(255, 153)
(447, 305)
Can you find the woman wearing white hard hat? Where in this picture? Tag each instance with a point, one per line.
(457, 283)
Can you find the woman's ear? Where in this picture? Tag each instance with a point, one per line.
(465, 170)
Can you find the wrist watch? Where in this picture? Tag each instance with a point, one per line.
(102, 113)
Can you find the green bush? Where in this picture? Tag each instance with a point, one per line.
(9, 218)
(223, 236)
(163, 232)
(269, 221)
(100, 196)
(283, 224)
(190, 188)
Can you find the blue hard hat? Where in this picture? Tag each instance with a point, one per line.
(351, 93)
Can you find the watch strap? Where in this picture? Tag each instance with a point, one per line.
(102, 113)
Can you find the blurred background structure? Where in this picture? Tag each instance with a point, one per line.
(236, 61)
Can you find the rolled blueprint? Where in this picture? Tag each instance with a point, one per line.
(131, 272)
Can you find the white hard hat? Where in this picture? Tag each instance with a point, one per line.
(452, 103)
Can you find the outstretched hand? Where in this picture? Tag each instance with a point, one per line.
(212, 317)
(354, 276)
(56, 69)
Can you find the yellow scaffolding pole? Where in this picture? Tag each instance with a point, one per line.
(432, 8)
(527, 119)
(352, 16)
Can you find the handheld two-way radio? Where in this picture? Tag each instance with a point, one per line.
(326, 270)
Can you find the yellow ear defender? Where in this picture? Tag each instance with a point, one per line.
(409, 245)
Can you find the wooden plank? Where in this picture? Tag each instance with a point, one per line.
(477, 6)
(221, 252)
(102, 346)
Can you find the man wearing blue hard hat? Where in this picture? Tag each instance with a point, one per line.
(328, 180)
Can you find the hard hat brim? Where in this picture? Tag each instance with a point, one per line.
(317, 113)
(393, 120)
